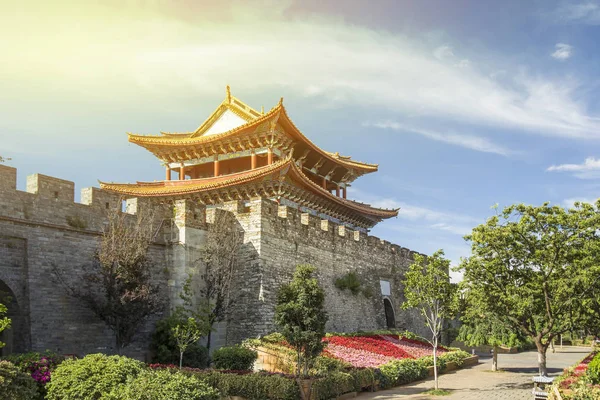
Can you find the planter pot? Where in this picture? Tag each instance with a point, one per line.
(305, 386)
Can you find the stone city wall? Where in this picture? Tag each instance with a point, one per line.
(42, 228)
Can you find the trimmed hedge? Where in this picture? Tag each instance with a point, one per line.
(333, 385)
(236, 358)
(92, 377)
(164, 384)
(399, 372)
(16, 385)
(252, 386)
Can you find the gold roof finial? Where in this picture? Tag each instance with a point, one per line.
(281, 101)
(262, 110)
(228, 89)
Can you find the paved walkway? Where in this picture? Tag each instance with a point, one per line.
(478, 382)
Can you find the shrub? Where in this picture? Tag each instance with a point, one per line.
(458, 357)
(253, 386)
(16, 385)
(333, 385)
(92, 377)
(349, 281)
(398, 372)
(164, 384)
(234, 358)
(165, 350)
(364, 378)
(593, 369)
(427, 361)
(325, 365)
(38, 365)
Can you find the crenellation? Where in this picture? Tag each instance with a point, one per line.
(8, 177)
(304, 218)
(51, 188)
(282, 211)
(373, 241)
(96, 197)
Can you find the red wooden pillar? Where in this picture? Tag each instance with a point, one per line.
(337, 190)
(344, 192)
(182, 172)
(269, 156)
(253, 160)
(216, 163)
(324, 183)
(168, 177)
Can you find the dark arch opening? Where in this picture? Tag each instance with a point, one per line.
(390, 318)
(15, 336)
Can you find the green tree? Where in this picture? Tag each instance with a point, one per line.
(4, 159)
(480, 329)
(186, 333)
(535, 269)
(427, 287)
(301, 317)
(4, 321)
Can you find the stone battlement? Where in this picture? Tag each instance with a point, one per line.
(290, 218)
(51, 200)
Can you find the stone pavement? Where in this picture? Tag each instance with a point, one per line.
(478, 382)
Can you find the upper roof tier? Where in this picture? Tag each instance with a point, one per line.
(236, 127)
(282, 179)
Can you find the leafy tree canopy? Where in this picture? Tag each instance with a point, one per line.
(301, 317)
(534, 269)
(427, 288)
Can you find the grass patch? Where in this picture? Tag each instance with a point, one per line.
(438, 392)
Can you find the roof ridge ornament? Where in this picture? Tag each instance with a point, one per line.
(228, 91)
(281, 101)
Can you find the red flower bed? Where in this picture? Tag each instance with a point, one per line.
(415, 348)
(374, 344)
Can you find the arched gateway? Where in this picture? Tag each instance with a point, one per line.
(390, 318)
(15, 336)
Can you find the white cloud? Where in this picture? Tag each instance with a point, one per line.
(464, 63)
(152, 52)
(426, 218)
(569, 203)
(443, 52)
(589, 169)
(476, 143)
(586, 12)
(562, 52)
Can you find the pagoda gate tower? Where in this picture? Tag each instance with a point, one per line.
(289, 198)
(239, 153)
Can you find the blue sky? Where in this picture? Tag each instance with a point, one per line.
(464, 104)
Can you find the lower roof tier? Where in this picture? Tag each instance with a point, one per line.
(281, 180)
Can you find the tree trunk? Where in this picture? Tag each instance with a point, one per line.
(541, 348)
(495, 358)
(435, 373)
(208, 339)
(180, 359)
